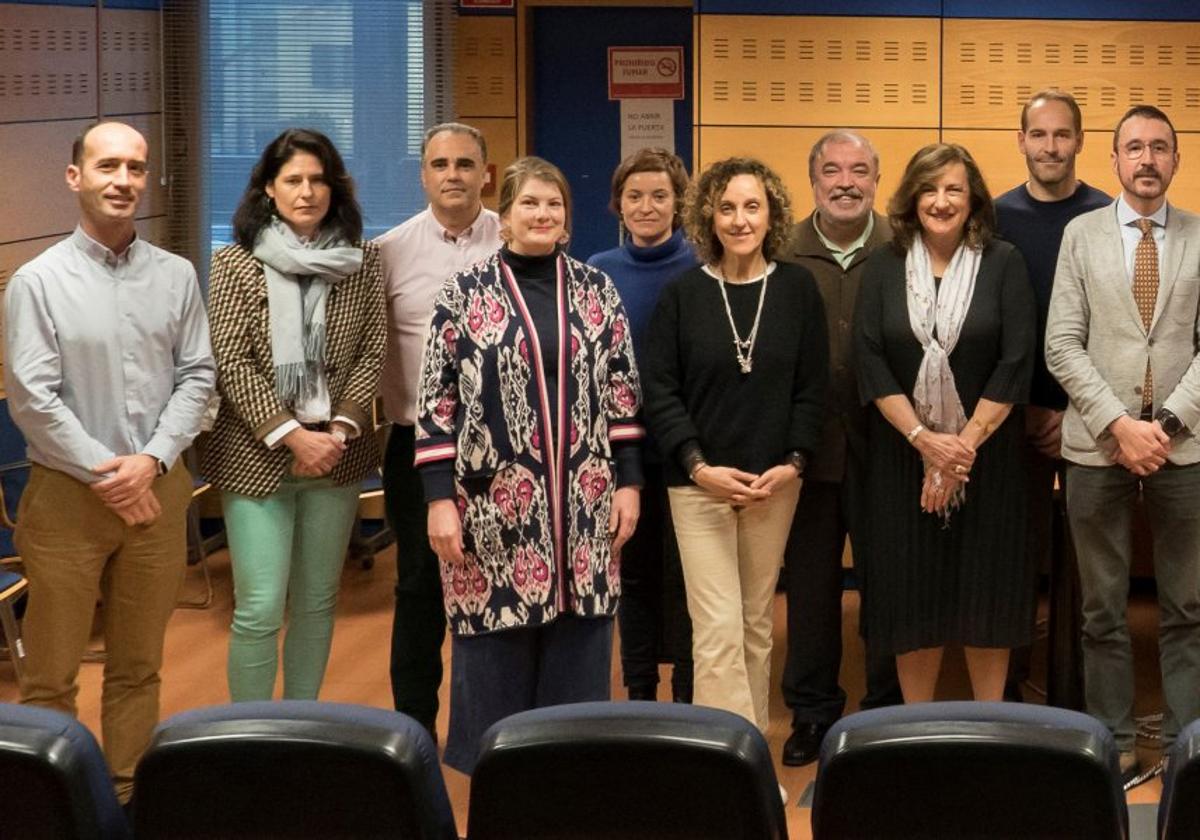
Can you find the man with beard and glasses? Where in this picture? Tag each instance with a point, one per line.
(832, 243)
(1121, 340)
(1032, 216)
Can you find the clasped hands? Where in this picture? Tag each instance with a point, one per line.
(1142, 445)
(948, 461)
(314, 454)
(741, 488)
(127, 487)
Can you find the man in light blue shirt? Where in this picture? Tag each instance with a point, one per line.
(108, 371)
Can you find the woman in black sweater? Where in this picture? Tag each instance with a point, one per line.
(735, 376)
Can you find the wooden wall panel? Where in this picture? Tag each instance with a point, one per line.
(1004, 167)
(786, 151)
(131, 61)
(993, 66)
(765, 70)
(37, 201)
(485, 67)
(501, 136)
(47, 62)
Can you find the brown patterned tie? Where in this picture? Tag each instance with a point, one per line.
(1145, 291)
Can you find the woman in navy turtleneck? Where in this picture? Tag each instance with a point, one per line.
(647, 196)
(528, 444)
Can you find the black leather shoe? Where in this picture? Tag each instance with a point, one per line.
(804, 744)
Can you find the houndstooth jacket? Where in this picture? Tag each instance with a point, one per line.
(236, 459)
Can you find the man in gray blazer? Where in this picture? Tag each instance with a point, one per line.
(1121, 340)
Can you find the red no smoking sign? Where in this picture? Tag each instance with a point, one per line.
(645, 72)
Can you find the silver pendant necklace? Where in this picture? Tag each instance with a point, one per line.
(744, 347)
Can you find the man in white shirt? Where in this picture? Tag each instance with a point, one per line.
(108, 372)
(452, 233)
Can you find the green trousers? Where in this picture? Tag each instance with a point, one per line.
(287, 550)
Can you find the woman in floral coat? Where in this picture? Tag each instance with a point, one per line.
(527, 442)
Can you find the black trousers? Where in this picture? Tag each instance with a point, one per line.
(814, 608)
(419, 623)
(652, 612)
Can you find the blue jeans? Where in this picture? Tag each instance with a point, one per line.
(287, 550)
(499, 674)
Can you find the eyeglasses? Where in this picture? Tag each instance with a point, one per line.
(1136, 149)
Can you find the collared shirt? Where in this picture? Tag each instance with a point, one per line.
(106, 354)
(418, 257)
(1127, 218)
(844, 256)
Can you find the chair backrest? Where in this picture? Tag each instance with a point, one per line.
(968, 770)
(593, 771)
(1179, 807)
(296, 769)
(53, 778)
(14, 474)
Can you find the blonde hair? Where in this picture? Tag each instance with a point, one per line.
(531, 168)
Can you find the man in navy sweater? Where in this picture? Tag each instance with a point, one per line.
(1033, 216)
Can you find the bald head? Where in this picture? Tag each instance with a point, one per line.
(108, 172)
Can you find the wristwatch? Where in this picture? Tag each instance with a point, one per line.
(1171, 424)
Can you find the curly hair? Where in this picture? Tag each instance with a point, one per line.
(651, 159)
(922, 171)
(255, 210)
(705, 193)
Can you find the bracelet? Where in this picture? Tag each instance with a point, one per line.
(696, 467)
(917, 429)
(797, 461)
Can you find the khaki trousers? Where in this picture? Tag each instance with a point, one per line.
(731, 561)
(75, 551)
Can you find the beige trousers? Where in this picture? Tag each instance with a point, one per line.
(731, 561)
(76, 551)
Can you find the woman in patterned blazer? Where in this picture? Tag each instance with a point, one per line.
(298, 323)
(527, 442)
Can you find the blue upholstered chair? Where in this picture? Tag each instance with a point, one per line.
(968, 770)
(595, 771)
(297, 769)
(1179, 808)
(53, 779)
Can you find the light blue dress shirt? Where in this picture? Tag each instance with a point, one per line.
(1127, 218)
(106, 354)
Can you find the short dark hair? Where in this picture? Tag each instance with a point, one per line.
(923, 168)
(1053, 95)
(255, 209)
(1148, 112)
(705, 193)
(454, 128)
(651, 159)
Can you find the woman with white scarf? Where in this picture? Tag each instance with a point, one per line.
(944, 341)
(298, 323)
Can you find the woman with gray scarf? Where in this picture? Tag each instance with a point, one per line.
(296, 308)
(944, 341)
